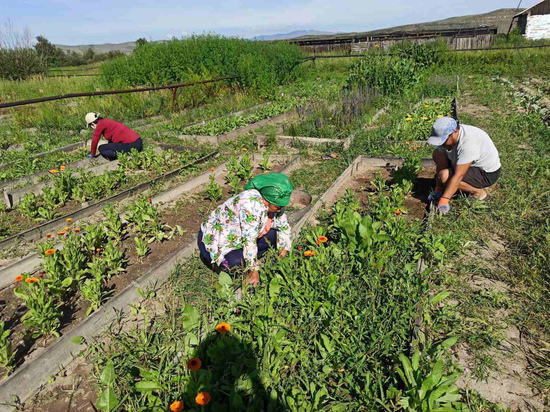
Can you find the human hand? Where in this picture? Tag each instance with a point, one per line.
(253, 278)
(443, 206)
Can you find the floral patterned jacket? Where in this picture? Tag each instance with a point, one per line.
(237, 224)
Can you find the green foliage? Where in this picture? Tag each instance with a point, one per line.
(142, 248)
(259, 65)
(213, 191)
(6, 354)
(397, 71)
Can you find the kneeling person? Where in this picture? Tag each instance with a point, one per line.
(122, 138)
(466, 159)
(239, 232)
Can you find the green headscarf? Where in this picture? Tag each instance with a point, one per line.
(274, 187)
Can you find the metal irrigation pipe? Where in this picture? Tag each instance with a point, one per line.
(173, 87)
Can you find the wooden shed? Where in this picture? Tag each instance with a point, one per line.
(534, 22)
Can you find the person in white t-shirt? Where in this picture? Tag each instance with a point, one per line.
(466, 159)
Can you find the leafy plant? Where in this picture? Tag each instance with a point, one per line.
(6, 354)
(43, 316)
(113, 225)
(28, 206)
(213, 191)
(142, 248)
(264, 163)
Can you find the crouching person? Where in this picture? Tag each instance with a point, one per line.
(122, 139)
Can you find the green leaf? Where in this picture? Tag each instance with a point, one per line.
(448, 343)
(20, 294)
(107, 400)
(415, 359)
(407, 369)
(148, 386)
(79, 340)
(67, 282)
(274, 288)
(190, 317)
(225, 279)
(439, 297)
(108, 374)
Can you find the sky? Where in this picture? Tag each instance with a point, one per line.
(115, 21)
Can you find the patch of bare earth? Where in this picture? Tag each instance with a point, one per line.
(510, 385)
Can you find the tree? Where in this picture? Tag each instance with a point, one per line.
(141, 42)
(49, 52)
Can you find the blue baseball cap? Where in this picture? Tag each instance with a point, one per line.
(441, 130)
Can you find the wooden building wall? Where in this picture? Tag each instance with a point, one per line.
(456, 43)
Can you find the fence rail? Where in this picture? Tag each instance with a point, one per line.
(173, 87)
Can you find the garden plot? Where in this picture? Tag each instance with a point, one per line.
(69, 193)
(178, 225)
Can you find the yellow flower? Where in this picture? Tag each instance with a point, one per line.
(244, 149)
(426, 106)
(62, 168)
(309, 253)
(31, 280)
(69, 219)
(54, 171)
(424, 118)
(439, 116)
(408, 119)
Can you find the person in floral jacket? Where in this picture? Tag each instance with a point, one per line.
(239, 231)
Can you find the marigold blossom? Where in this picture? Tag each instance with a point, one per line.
(49, 235)
(223, 328)
(244, 149)
(31, 280)
(415, 148)
(309, 253)
(212, 169)
(193, 364)
(69, 219)
(177, 406)
(76, 230)
(322, 239)
(49, 252)
(19, 278)
(54, 171)
(98, 249)
(408, 119)
(62, 168)
(203, 398)
(398, 212)
(67, 229)
(61, 233)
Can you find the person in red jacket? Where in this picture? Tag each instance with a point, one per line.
(121, 138)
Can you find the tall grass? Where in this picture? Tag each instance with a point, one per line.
(259, 65)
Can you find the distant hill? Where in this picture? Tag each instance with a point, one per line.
(500, 18)
(291, 35)
(127, 47)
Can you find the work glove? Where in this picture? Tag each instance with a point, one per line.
(90, 156)
(443, 206)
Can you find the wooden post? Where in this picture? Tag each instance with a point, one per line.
(174, 96)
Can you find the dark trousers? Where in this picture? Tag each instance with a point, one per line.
(235, 258)
(110, 150)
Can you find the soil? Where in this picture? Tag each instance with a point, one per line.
(415, 204)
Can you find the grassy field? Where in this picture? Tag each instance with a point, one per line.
(347, 321)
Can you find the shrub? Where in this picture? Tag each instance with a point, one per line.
(396, 71)
(259, 65)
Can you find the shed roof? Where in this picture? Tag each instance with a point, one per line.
(527, 10)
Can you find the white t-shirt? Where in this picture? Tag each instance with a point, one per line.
(475, 146)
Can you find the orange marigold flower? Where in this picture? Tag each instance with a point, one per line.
(98, 249)
(407, 143)
(31, 280)
(176, 406)
(61, 233)
(309, 253)
(212, 169)
(317, 243)
(398, 212)
(203, 398)
(69, 219)
(19, 278)
(49, 235)
(49, 252)
(194, 364)
(322, 239)
(223, 328)
(67, 229)
(76, 229)
(244, 149)
(54, 171)
(415, 148)
(300, 248)
(62, 168)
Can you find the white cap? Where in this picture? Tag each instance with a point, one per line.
(91, 117)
